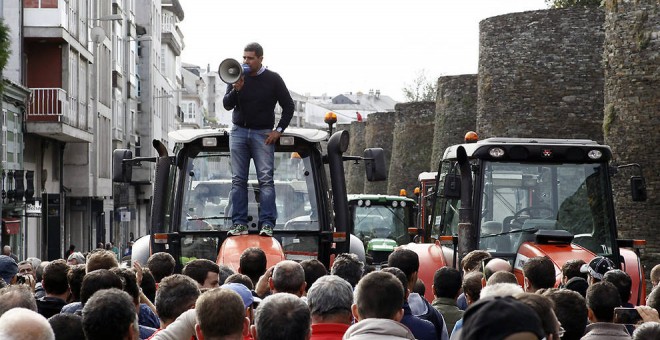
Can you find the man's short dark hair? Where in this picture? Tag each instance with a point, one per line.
(348, 267)
(283, 316)
(647, 330)
(218, 322)
(223, 273)
(75, 277)
(653, 300)
(472, 285)
(400, 276)
(406, 260)
(447, 282)
(176, 294)
(240, 278)
(161, 264)
(540, 272)
(571, 311)
(622, 281)
(253, 263)
(67, 326)
(108, 315)
(314, 269)
(254, 47)
(472, 261)
(419, 287)
(543, 306)
(288, 277)
(129, 282)
(148, 284)
(16, 296)
(330, 295)
(370, 293)
(98, 280)
(54, 277)
(199, 269)
(571, 269)
(602, 298)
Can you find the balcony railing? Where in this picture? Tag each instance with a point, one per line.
(54, 105)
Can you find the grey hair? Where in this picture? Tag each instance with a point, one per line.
(288, 277)
(21, 323)
(501, 289)
(330, 294)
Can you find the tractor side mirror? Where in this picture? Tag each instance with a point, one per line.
(121, 171)
(374, 162)
(452, 186)
(638, 188)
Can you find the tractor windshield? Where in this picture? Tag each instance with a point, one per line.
(388, 220)
(207, 201)
(519, 199)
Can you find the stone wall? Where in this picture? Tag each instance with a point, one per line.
(355, 172)
(379, 134)
(412, 145)
(632, 114)
(540, 74)
(455, 113)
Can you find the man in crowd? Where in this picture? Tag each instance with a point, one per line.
(421, 329)
(123, 324)
(602, 298)
(655, 276)
(543, 307)
(571, 310)
(6, 250)
(282, 316)
(408, 261)
(501, 317)
(176, 294)
(623, 283)
(446, 288)
(330, 299)
(495, 265)
(596, 268)
(21, 323)
(56, 285)
(8, 269)
(378, 316)
(253, 264)
(16, 296)
(101, 259)
(228, 322)
(471, 263)
(348, 267)
(314, 269)
(205, 272)
(472, 290)
(539, 273)
(160, 265)
(288, 277)
(67, 326)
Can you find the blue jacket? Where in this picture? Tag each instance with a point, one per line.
(421, 329)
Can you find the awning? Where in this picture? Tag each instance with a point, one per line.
(11, 226)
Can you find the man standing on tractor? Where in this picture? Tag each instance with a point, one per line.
(252, 99)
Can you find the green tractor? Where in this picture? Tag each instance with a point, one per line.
(382, 222)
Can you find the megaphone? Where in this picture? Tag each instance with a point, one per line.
(230, 70)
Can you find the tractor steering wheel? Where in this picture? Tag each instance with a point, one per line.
(518, 218)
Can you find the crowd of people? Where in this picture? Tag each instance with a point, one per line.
(92, 296)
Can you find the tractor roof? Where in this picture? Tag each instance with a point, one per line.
(189, 135)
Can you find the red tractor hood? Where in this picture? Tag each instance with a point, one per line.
(231, 250)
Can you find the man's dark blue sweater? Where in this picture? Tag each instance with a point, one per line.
(254, 104)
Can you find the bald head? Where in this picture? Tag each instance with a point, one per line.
(21, 323)
(496, 265)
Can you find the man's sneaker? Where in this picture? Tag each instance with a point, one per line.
(238, 229)
(266, 230)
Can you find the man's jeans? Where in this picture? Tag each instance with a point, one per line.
(246, 144)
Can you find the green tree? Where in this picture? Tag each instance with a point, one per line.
(572, 3)
(421, 89)
(5, 44)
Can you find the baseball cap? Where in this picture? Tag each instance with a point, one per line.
(597, 267)
(8, 268)
(497, 317)
(243, 291)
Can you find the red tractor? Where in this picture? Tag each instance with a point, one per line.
(522, 197)
(191, 205)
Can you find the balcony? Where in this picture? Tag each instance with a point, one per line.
(54, 114)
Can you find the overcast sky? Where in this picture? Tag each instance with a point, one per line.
(339, 46)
